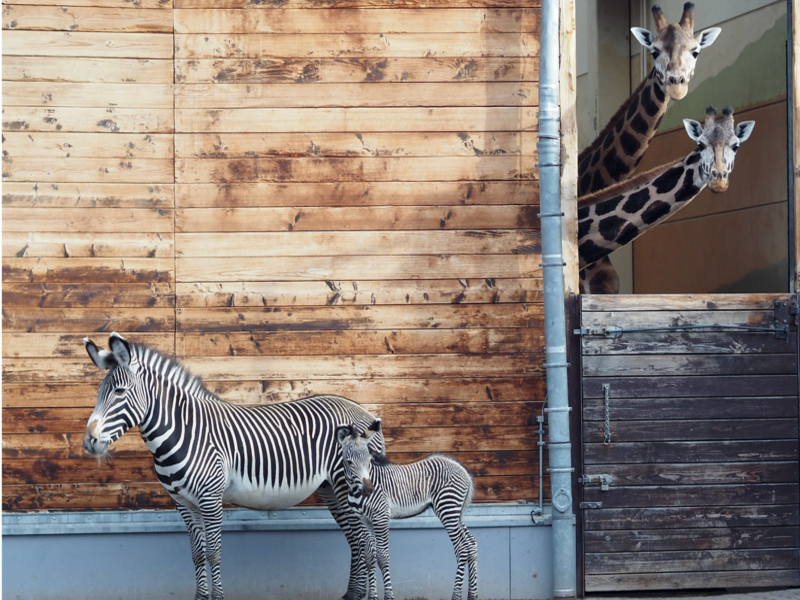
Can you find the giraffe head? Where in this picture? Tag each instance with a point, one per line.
(718, 142)
(675, 48)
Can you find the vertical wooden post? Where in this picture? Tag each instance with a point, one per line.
(569, 146)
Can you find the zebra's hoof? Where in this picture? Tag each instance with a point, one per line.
(352, 596)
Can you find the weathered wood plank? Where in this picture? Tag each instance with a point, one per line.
(114, 120)
(687, 342)
(84, 95)
(327, 268)
(688, 561)
(477, 21)
(67, 245)
(314, 4)
(70, 345)
(641, 319)
(692, 387)
(641, 431)
(88, 70)
(78, 18)
(716, 498)
(71, 471)
(496, 414)
(299, 343)
(321, 145)
(75, 170)
(356, 120)
(680, 302)
(355, 64)
(768, 513)
(683, 580)
(686, 365)
(691, 452)
(88, 145)
(87, 220)
(361, 95)
(433, 316)
(396, 168)
(356, 218)
(635, 409)
(88, 195)
(330, 293)
(89, 295)
(702, 473)
(162, 4)
(338, 367)
(77, 320)
(88, 270)
(357, 193)
(87, 44)
(383, 392)
(343, 243)
(92, 496)
(457, 439)
(719, 538)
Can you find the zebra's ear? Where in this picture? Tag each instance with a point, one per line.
(103, 359)
(121, 348)
(373, 428)
(342, 433)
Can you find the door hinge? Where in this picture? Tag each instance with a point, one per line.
(784, 315)
(605, 481)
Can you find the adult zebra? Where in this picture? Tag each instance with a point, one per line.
(208, 451)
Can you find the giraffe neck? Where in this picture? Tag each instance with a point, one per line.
(618, 215)
(621, 145)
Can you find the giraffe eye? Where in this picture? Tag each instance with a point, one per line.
(696, 53)
(655, 52)
(735, 147)
(701, 146)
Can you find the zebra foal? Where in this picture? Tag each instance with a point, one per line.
(207, 451)
(381, 490)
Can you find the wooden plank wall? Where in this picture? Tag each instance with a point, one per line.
(294, 199)
(703, 445)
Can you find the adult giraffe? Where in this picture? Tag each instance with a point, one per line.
(622, 144)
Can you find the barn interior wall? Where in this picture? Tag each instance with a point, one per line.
(736, 242)
(291, 199)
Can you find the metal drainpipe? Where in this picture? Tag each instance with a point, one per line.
(549, 149)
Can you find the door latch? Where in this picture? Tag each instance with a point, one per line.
(605, 481)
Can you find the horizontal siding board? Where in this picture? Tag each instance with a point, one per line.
(326, 268)
(354, 63)
(649, 474)
(76, 320)
(692, 386)
(85, 95)
(686, 365)
(87, 195)
(377, 317)
(378, 21)
(356, 193)
(88, 70)
(683, 580)
(100, 245)
(88, 220)
(31, 119)
(405, 168)
(89, 295)
(636, 431)
(358, 292)
(717, 538)
(708, 303)
(79, 18)
(323, 145)
(667, 319)
(677, 519)
(377, 218)
(655, 453)
(693, 497)
(686, 342)
(75, 170)
(87, 44)
(70, 345)
(88, 145)
(677, 409)
(165, 5)
(362, 95)
(357, 120)
(314, 4)
(688, 561)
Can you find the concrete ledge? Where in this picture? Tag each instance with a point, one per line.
(294, 554)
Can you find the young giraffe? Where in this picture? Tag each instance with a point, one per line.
(614, 217)
(621, 145)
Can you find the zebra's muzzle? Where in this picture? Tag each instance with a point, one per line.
(92, 442)
(366, 486)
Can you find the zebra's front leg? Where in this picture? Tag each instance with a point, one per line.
(381, 531)
(354, 530)
(197, 538)
(211, 509)
(370, 557)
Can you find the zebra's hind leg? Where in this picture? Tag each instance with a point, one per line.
(354, 530)
(197, 539)
(471, 551)
(466, 550)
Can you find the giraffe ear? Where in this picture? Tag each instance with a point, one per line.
(693, 128)
(708, 36)
(744, 129)
(644, 36)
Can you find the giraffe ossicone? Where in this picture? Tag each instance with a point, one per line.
(615, 216)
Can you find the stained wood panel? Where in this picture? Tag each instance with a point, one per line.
(293, 198)
(700, 439)
(88, 234)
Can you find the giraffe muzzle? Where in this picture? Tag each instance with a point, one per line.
(718, 182)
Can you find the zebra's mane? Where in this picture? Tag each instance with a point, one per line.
(381, 459)
(171, 368)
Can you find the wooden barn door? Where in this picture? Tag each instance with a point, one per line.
(689, 425)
